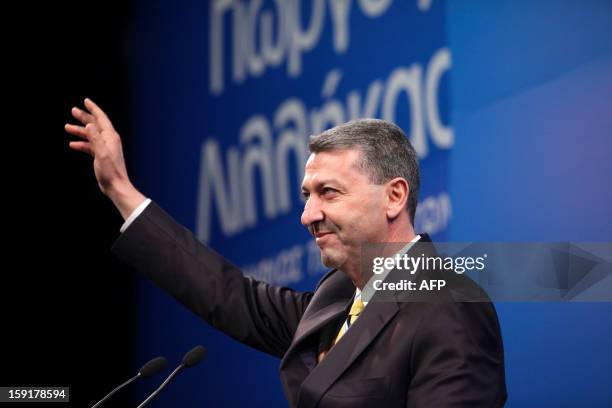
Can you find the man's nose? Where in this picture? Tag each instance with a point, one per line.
(312, 212)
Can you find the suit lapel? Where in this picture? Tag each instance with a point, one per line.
(332, 299)
(320, 318)
(373, 319)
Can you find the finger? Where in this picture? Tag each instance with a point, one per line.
(84, 147)
(98, 113)
(82, 116)
(92, 131)
(75, 130)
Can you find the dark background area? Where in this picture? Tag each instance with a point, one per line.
(67, 308)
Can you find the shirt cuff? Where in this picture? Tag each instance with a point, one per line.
(135, 214)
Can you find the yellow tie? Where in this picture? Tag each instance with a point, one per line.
(354, 313)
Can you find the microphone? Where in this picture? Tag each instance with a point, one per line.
(150, 368)
(193, 357)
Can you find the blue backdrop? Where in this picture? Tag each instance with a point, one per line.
(507, 104)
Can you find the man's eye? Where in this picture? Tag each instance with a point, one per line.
(328, 190)
(305, 194)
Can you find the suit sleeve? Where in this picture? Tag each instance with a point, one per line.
(457, 359)
(255, 313)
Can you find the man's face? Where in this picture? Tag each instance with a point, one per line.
(343, 208)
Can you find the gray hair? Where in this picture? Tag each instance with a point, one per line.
(386, 152)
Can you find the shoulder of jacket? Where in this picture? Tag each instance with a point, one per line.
(326, 277)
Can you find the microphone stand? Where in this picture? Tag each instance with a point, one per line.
(161, 387)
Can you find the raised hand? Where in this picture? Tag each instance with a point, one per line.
(102, 142)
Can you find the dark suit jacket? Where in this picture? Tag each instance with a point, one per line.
(397, 354)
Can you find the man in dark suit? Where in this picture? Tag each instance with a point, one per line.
(340, 347)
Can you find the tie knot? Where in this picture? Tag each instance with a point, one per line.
(357, 308)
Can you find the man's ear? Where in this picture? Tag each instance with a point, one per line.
(397, 191)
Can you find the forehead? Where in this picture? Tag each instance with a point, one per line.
(340, 165)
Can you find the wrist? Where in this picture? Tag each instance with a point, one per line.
(125, 197)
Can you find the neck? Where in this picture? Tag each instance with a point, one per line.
(398, 233)
(353, 271)
(400, 230)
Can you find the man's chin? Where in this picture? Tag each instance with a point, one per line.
(331, 260)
